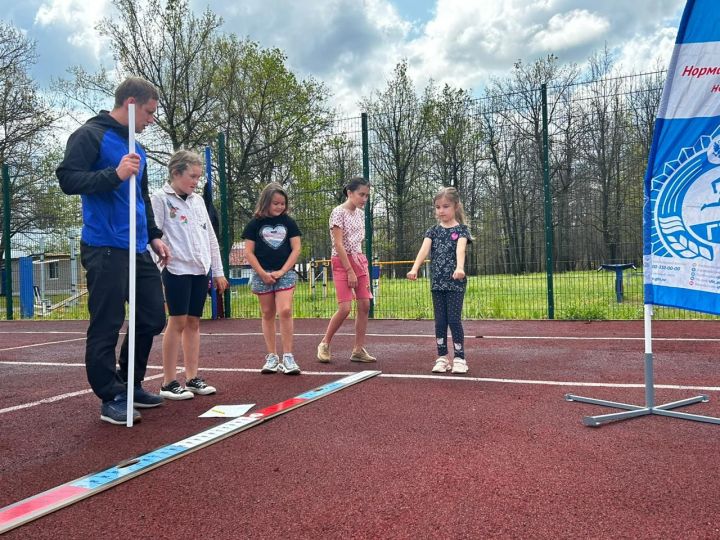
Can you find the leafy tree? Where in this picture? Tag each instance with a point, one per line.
(270, 119)
(453, 135)
(454, 151)
(318, 183)
(26, 120)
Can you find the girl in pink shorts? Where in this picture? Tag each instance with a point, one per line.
(350, 269)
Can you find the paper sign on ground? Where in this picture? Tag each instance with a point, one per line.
(227, 411)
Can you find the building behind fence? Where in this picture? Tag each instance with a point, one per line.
(551, 181)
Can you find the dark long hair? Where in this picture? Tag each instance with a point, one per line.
(354, 183)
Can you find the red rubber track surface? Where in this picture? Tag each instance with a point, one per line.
(391, 457)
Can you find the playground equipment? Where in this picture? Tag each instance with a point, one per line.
(43, 278)
(618, 269)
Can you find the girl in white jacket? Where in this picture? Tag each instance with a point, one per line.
(181, 214)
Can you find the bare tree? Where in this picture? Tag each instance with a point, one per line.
(399, 122)
(516, 120)
(175, 50)
(644, 93)
(605, 123)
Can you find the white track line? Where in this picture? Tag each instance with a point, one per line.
(60, 397)
(597, 338)
(446, 378)
(425, 336)
(430, 336)
(39, 332)
(41, 344)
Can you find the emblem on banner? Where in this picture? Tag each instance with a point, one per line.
(687, 203)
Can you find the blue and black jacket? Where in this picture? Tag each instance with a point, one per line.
(92, 153)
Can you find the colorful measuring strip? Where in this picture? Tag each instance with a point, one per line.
(53, 499)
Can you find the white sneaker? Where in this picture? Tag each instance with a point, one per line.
(441, 365)
(362, 356)
(272, 363)
(288, 365)
(459, 366)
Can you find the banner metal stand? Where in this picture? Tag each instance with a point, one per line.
(680, 183)
(633, 411)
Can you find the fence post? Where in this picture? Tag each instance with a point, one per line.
(209, 182)
(549, 264)
(43, 309)
(224, 225)
(368, 206)
(325, 272)
(73, 269)
(312, 277)
(27, 294)
(6, 238)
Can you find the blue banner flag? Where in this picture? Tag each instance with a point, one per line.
(681, 214)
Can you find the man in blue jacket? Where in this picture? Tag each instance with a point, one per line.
(97, 166)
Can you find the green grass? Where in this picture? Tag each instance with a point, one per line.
(577, 296)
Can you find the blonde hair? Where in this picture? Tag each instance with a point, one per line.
(452, 195)
(262, 208)
(181, 160)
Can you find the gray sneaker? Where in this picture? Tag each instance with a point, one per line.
(288, 365)
(272, 364)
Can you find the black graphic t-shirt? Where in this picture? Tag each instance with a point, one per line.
(443, 257)
(272, 239)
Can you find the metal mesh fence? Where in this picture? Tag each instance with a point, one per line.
(557, 228)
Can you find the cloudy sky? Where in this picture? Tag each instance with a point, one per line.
(353, 45)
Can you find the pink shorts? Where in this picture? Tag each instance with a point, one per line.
(343, 291)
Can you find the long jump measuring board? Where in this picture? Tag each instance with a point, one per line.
(58, 497)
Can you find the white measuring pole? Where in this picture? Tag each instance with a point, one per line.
(132, 259)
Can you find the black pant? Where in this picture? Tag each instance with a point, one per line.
(107, 281)
(448, 309)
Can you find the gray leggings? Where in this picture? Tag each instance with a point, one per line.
(448, 309)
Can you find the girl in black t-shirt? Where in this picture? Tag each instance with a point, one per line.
(272, 247)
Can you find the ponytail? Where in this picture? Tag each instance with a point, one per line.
(354, 183)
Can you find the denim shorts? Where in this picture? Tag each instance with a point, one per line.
(286, 282)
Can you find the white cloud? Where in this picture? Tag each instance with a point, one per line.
(466, 43)
(353, 46)
(566, 30)
(645, 53)
(78, 18)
